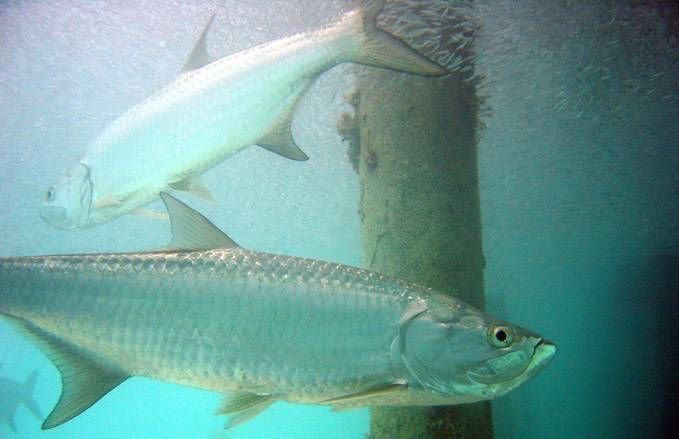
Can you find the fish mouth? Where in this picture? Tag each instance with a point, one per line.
(542, 354)
(498, 382)
(543, 351)
(56, 216)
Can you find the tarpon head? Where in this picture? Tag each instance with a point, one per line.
(67, 204)
(458, 354)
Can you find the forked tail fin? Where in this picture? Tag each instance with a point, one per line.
(29, 387)
(381, 49)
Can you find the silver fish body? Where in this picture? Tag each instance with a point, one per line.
(258, 327)
(212, 110)
(224, 319)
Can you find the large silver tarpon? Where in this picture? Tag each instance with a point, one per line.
(257, 327)
(212, 110)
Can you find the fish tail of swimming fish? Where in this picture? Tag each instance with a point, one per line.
(380, 49)
(28, 388)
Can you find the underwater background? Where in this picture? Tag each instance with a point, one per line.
(579, 189)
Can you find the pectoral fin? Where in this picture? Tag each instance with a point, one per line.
(369, 397)
(148, 213)
(83, 379)
(106, 202)
(242, 407)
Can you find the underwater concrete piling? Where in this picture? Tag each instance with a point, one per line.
(413, 142)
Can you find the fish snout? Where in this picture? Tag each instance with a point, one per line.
(543, 352)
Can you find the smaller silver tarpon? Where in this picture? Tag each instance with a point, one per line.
(212, 110)
(257, 327)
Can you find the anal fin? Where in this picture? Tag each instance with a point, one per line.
(84, 381)
(279, 138)
(243, 406)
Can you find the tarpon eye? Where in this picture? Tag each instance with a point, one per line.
(49, 196)
(500, 336)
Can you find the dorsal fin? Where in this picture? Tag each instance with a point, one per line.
(84, 380)
(199, 56)
(191, 230)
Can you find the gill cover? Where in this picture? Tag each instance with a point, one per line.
(462, 355)
(422, 345)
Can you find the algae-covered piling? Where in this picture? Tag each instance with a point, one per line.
(419, 208)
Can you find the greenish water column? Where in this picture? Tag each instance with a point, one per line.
(414, 146)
